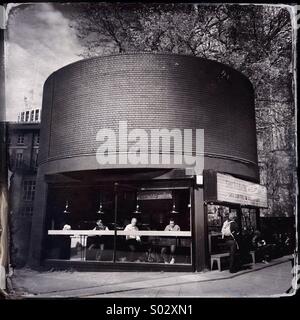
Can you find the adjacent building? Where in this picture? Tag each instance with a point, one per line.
(23, 146)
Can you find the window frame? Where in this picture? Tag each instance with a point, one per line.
(21, 139)
(29, 187)
(19, 162)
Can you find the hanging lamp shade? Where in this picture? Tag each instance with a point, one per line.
(174, 211)
(137, 210)
(100, 211)
(66, 211)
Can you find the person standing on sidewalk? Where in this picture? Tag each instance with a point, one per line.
(230, 232)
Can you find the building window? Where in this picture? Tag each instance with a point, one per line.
(21, 138)
(37, 139)
(34, 161)
(36, 158)
(37, 115)
(26, 212)
(11, 160)
(27, 116)
(19, 159)
(22, 116)
(32, 116)
(29, 190)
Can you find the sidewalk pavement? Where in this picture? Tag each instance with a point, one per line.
(261, 280)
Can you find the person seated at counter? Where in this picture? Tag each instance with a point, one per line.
(133, 241)
(172, 243)
(98, 241)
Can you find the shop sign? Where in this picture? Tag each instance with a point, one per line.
(234, 190)
(154, 195)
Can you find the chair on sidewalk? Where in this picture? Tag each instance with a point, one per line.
(218, 257)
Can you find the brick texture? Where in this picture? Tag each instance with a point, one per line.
(149, 91)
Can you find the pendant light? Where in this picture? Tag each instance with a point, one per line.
(174, 211)
(100, 211)
(66, 208)
(137, 207)
(137, 210)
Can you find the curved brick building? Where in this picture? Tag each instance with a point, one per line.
(148, 91)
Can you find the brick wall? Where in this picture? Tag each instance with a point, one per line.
(149, 91)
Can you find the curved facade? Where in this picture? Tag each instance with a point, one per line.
(148, 91)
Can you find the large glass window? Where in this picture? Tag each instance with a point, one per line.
(129, 224)
(89, 213)
(156, 227)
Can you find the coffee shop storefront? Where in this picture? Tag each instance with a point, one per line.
(153, 203)
(148, 92)
(227, 194)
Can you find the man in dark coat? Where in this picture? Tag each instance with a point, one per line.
(230, 232)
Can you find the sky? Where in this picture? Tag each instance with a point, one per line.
(38, 42)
